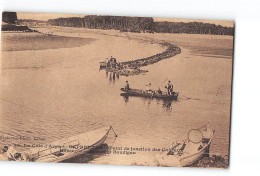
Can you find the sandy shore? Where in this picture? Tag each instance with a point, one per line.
(20, 41)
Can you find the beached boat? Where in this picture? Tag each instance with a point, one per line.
(68, 148)
(189, 150)
(149, 93)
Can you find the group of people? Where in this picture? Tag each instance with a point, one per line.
(112, 63)
(169, 88)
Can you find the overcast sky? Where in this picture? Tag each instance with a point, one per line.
(46, 16)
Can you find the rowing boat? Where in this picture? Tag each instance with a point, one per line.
(187, 151)
(69, 147)
(149, 94)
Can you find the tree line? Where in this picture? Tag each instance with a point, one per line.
(141, 24)
(122, 23)
(192, 28)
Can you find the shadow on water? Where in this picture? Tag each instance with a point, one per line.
(89, 156)
(166, 103)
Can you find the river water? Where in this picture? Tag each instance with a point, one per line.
(57, 93)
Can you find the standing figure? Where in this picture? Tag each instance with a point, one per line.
(169, 88)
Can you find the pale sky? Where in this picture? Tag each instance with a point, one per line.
(46, 16)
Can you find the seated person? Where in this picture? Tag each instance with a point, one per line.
(127, 87)
(159, 91)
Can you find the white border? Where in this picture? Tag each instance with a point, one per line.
(245, 155)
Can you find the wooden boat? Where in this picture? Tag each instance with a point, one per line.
(150, 94)
(69, 147)
(187, 152)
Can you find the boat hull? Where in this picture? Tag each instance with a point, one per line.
(83, 144)
(142, 93)
(166, 159)
(184, 162)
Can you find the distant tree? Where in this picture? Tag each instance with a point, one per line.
(9, 17)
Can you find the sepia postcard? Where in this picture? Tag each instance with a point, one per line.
(115, 90)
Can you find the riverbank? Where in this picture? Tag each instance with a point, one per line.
(20, 41)
(16, 28)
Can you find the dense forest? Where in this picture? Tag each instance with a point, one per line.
(32, 22)
(192, 28)
(127, 24)
(141, 24)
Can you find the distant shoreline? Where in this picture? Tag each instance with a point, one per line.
(16, 28)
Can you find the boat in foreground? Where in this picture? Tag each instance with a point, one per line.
(188, 151)
(63, 149)
(150, 93)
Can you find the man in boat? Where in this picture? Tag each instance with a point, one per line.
(127, 87)
(159, 91)
(169, 88)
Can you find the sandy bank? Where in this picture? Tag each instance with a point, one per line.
(38, 41)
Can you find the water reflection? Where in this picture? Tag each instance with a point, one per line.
(125, 96)
(167, 104)
(112, 77)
